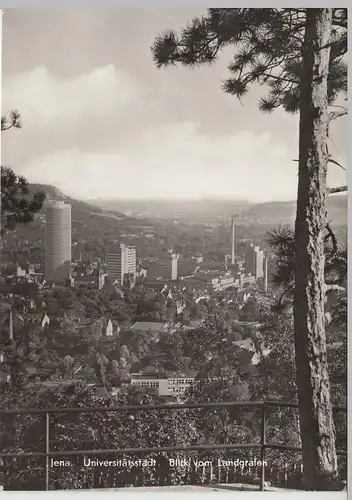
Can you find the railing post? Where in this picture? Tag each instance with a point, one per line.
(47, 437)
(262, 448)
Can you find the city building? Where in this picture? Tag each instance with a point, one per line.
(5, 377)
(102, 327)
(165, 268)
(246, 280)
(40, 319)
(149, 326)
(141, 272)
(58, 242)
(186, 266)
(95, 282)
(212, 281)
(244, 344)
(165, 383)
(122, 265)
(214, 267)
(27, 270)
(112, 289)
(157, 284)
(265, 284)
(254, 262)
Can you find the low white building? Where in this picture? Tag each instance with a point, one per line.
(165, 383)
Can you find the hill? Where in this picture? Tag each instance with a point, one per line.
(83, 212)
(197, 210)
(52, 193)
(285, 212)
(93, 228)
(276, 212)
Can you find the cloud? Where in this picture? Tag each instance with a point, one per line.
(44, 100)
(174, 161)
(106, 133)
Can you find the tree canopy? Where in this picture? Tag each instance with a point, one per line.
(299, 54)
(16, 206)
(267, 50)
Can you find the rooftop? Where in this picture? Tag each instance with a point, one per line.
(112, 288)
(244, 344)
(32, 316)
(147, 326)
(151, 372)
(257, 357)
(184, 374)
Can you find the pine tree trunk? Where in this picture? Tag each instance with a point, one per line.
(316, 417)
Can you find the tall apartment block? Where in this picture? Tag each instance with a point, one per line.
(265, 273)
(121, 264)
(58, 242)
(165, 268)
(254, 262)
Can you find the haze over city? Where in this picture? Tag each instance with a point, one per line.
(100, 121)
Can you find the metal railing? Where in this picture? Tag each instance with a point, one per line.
(263, 445)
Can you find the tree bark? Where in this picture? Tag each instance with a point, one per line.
(316, 416)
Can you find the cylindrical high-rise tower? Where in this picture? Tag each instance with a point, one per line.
(58, 242)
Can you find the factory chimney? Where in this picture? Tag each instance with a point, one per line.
(232, 240)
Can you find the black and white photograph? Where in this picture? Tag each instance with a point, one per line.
(173, 258)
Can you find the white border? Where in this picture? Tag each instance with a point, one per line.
(131, 494)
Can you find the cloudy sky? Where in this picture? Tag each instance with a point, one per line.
(101, 121)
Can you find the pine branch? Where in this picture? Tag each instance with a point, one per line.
(13, 121)
(340, 23)
(338, 114)
(331, 235)
(288, 290)
(280, 78)
(334, 288)
(8, 127)
(340, 189)
(330, 160)
(264, 40)
(336, 163)
(339, 107)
